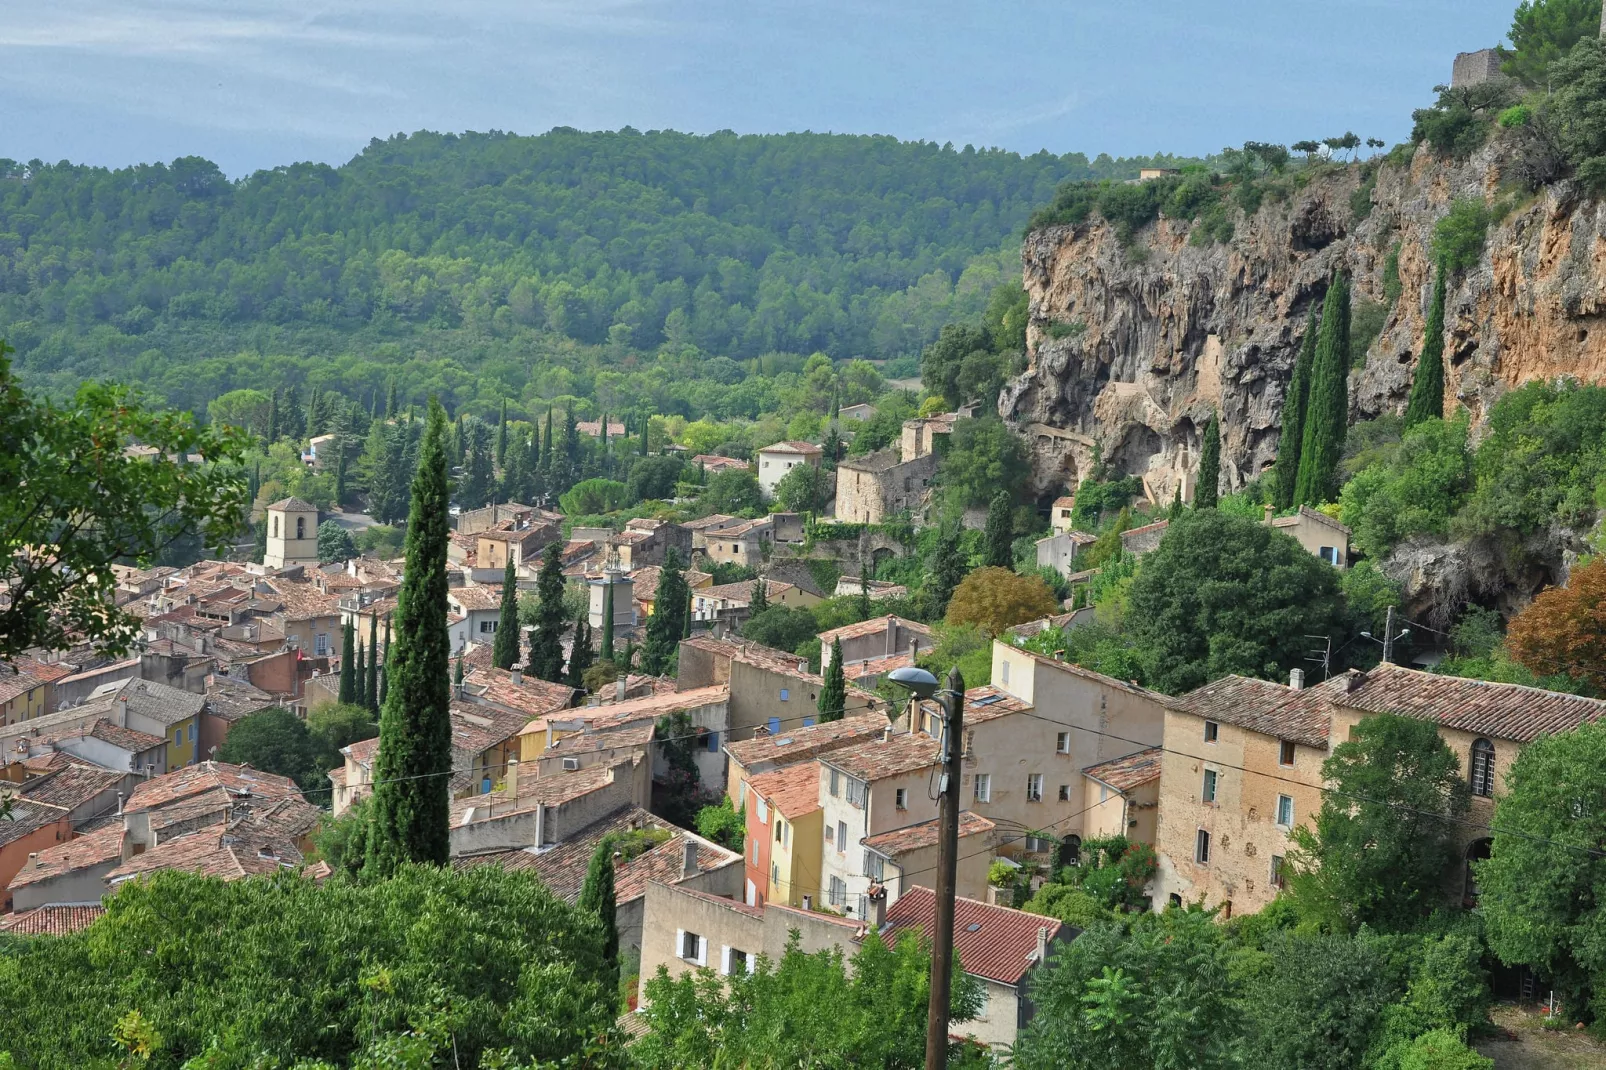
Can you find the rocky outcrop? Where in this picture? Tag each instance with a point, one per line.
(1152, 337)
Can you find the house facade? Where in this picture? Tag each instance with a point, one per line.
(777, 460)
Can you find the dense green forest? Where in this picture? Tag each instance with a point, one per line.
(491, 266)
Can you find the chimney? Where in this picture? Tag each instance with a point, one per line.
(886, 734)
(688, 860)
(540, 825)
(136, 834)
(1296, 679)
(620, 686)
(33, 859)
(119, 804)
(518, 677)
(1269, 513)
(1042, 943)
(511, 780)
(122, 711)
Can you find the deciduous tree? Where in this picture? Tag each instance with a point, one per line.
(995, 599)
(276, 741)
(1563, 630)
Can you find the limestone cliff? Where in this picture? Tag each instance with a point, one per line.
(1156, 335)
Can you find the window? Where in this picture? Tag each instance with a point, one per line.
(1483, 768)
(320, 643)
(807, 721)
(763, 810)
(1277, 871)
(900, 798)
(733, 960)
(786, 694)
(837, 893)
(1285, 811)
(1329, 554)
(487, 626)
(275, 527)
(1207, 794)
(1212, 731)
(752, 851)
(1285, 753)
(1201, 848)
(712, 742)
(1065, 793)
(1003, 673)
(693, 948)
(856, 793)
(775, 873)
(778, 827)
(984, 787)
(774, 725)
(841, 837)
(1034, 787)
(301, 527)
(875, 867)
(178, 737)
(192, 731)
(1062, 743)
(836, 784)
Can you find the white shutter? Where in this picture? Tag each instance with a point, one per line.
(725, 960)
(680, 943)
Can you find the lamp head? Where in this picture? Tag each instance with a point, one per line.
(917, 681)
(1366, 635)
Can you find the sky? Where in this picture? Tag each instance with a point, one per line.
(260, 83)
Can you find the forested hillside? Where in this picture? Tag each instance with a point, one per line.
(485, 254)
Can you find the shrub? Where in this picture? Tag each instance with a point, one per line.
(995, 599)
(1415, 492)
(1458, 238)
(1515, 116)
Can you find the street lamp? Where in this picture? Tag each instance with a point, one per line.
(1389, 638)
(923, 685)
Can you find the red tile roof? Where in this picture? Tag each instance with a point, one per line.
(873, 626)
(211, 852)
(993, 942)
(72, 785)
(1263, 707)
(1124, 774)
(807, 449)
(232, 783)
(50, 921)
(795, 744)
(923, 834)
(1501, 711)
(14, 682)
(793, 789)
(878, 757)
(105, 844)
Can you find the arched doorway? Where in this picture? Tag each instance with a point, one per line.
(1070, 853)
(1477, 851)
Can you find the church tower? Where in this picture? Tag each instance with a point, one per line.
(292, 534)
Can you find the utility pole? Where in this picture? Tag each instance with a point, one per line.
(1388, 636)
(952, 699)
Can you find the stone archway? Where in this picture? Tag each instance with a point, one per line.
(1477, 851)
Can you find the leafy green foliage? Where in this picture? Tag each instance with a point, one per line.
(1440, 1049)
(1427, 387)
(592, 496)
(276, 741)
(781, 627)
(411, 793)
(1573, 113)
(1296, 403)
(1327, 414)
(1366, 322)
(1112, 873)
(654, 477)
(1317, 1002)
(805, 489)
(984, 457)
(1415, 491)
(335, 543)
(1459, 122)
(734, 492)
(1538, 885)
(1207, 492)
(1385, 835)
(999, 535)
(1224, 594)
(1542, 32)
(805, 1010)
(265, 972)
(1458, 240)
(724, 824)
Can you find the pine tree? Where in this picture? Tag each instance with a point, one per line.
(505, 651)
(760, 598)
(834, 695)
(359, 678)
(1427, 389)
(999, 536)
(607, 616)
(390, 399)
(546, 647)
(515, 473)
(479, 473)
(371, 689)
(597, 896)
(665, 626)
(348, 664)
(580, 657)
(947, 567)
(1295, 406)
(411, 800)
(1207, 493)
(1327, 416)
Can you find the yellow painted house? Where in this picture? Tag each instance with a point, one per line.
(164, 712)
(23, 696)
(785, 829)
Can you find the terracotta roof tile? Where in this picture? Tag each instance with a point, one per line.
(923, 834)
(294, 505)
(51, 921)
(793, 789)
(877, 757)
(1263, 707)
(993, 942)
(72, 786)
(1124, 774)
(808, 449)
(532, 792)
(103, 845)
(742, 593)
(796, 744)
(229, 784)
(1501, 711)
(14, 682)
(873, 626)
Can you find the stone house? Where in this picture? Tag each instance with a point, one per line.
(862, 411)
(647, 542)
(1140, 540)
(874, 647)
(1317, 532)
(713, 464)
(763, 752)
(746, 543)
(481, 610)
(1058, 551)
(712, 603)
(536, 812)
(23, 695)
(769, 689)
(777, 460)
(904, 857)
(1128, 791)
(523, 544)
(706, 528)
(876, 486)
(784, 832)
(926, 435)
(474, 521)
(1059, 514)
(292, 534)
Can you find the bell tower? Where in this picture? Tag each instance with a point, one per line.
(292, 534)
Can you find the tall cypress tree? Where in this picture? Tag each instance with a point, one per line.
(999, 536)
(834, 695)
(1208, 491)
(546, 443)
(866, 610)
(348, 663)
(371, 689)
(607, 616)
(340, 472)
(546, 647)
(1427, 389)
(580, 657)
(667, 623)
(384, 670)
(390, 399)
(505, 651)
(501, 436)
(1327, 416)
(946, 568)
(597, 895)
(646, 427)
(411, 801)
(359, 679)
(760, 599)
(1295, 405)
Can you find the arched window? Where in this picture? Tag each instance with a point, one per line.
(301, 527)
(1483, 768)
(275, 527)
(1071, 850)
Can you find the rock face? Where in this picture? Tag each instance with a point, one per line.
(1155, 336)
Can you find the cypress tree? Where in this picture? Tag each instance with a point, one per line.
(1295, 406)
(580, 653)
(546, 444)
(1427, 389)
(1176, 504)
(546, 647)
(501, 436)
(390, 399)
(411, 800)
(597, 896)
(685, 629)
(359, 679)
(834, 695)
(371, 689)
(627, 660)
(273, 418)
(505, 651)
(999, 537)
(760, 598)
(646, 427)
(457, 672)
(607, 616)
(947, 567)
(348, 663)
(1327, 416)
(866, 610)
(665, 626)
(1207, 492)
(384, 670)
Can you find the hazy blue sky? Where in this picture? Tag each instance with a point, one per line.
(254, 83)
